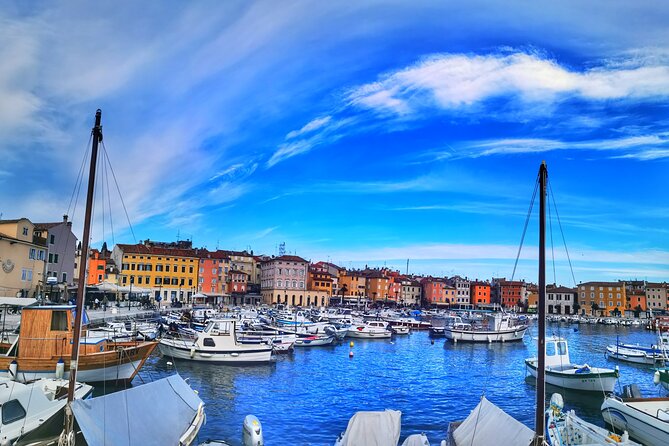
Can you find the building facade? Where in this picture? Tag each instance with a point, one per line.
(479, 293)
(560, 300)
(22, 259)
(462, 289)
(656, 296)
(602, 298)
(283, 280)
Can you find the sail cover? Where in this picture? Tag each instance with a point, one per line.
(373, 429)
(154, 413)
(487, 424)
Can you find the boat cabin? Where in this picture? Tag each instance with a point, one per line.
(47, 331)
(557, 353)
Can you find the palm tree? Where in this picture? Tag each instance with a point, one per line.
(343, 290)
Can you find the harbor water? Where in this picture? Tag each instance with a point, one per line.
(307, 397)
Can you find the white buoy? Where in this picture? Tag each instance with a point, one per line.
(13, 370)
(656, 378)
(60, 369)
(192, 351)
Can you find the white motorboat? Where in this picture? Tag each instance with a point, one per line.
(409, 322)
(567, 429)
(216, 343)
(646, 419)
(500, 327)
(562, 373)
(633, 355)
(27, 406)
(281, 343)
(370, 330)
(314, 341)
(399, 330)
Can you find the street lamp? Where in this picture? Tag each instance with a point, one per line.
(132, 280)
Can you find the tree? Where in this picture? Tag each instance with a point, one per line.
(577, 307)
(637, 310)
(343, 290)
(594, 307)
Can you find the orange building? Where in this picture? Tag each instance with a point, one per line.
(511, 293)
(237, 282)
(637, 299)
(96, 268)
(377, 287)
(437, 292)
(602, 298)
(353, 283)
(479, 293)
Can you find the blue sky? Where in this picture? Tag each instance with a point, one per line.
(356, 132)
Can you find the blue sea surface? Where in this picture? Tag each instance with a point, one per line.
(307, 398)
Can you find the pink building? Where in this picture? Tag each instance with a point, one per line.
(284, 280)
(437, 292)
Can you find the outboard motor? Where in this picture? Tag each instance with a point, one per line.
(631, 391)
(252, 432)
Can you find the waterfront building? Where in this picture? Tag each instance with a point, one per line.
(656, 296)
(511, 293)
(96, 267)
(167, 269)
(436, 291)
(560, 300)
(602, 298)
(462, 288)
(246, 262)
(335, 271)
(319, 279)
(377, 286)
(637, 301)
(283, 280)
(410, 292)
(479, 293)
(23, 256)
(62, 245)
(532, 299)
(237, 283)
(212, 274)
(354, 283)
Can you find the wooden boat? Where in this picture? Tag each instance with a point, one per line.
(562, 373)
(45, 340)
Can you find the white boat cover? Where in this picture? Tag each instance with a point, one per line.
(487, 424)
(380, 428)
(416, 440)
(154, 413)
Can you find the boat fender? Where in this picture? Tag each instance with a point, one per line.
(656, 377)
(350, 354)
(60, 369)
(192, 351)
(13, 370)
(351, 344)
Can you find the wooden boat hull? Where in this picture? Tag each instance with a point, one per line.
(598, 380)
(509, 335)
(121, 364)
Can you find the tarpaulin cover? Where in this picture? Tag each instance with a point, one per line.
(488, 425)
(373, 429)
(154, 413)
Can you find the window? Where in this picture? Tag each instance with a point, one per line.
(64, 277)
(278, 283)
(201, 270)
(50, 258)
(132, 266)
(32, 253)
(190, 282)
(208, 342)
(183, 269)
(26, 275)
(40, 254)
(59, 320)
(25, 230)
(167, 268)
(12, 411)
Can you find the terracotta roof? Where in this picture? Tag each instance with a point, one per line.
(561, 289)
(236, 271)
(168, 252)
(611, 284)
(46, 226)
(15, 220)
(288, 258)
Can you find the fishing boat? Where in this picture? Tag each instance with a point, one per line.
(217, 343)
(370, 330)
(27, 406)
(646, 419)
(562, 373)
(46, 338)
(499, 327)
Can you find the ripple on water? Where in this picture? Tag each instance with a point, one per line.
(308, 397)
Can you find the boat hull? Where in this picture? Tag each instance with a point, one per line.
(306, 342)
(632, 415)
(181, 350)
(509, 335)
(368, 335)
(629, 355)
(120, 365)
(594, 381)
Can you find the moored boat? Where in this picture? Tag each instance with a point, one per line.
(562, 373)
(499, 327)
(370, 330)
(646, 419)
(314, 340)
(216, 343)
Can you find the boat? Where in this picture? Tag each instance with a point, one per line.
(26, 406)
(499, 327)
(640, 354)
(661, 377)
(281, 343)
(409, 322)
(564, 428)
(314, 340)
(399, 330)
(369, 330)
(646, 419)
(561, 372)
(216, 343)
(377, 428)
(46, 337)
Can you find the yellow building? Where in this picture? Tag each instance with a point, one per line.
(602, 298)
(319, 280)
(166, 269)
(354, 282)
(22, 259)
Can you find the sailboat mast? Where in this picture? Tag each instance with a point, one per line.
(541, 344)
(97, 137)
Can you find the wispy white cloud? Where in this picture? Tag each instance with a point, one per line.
(264, 233)
(309, 127)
